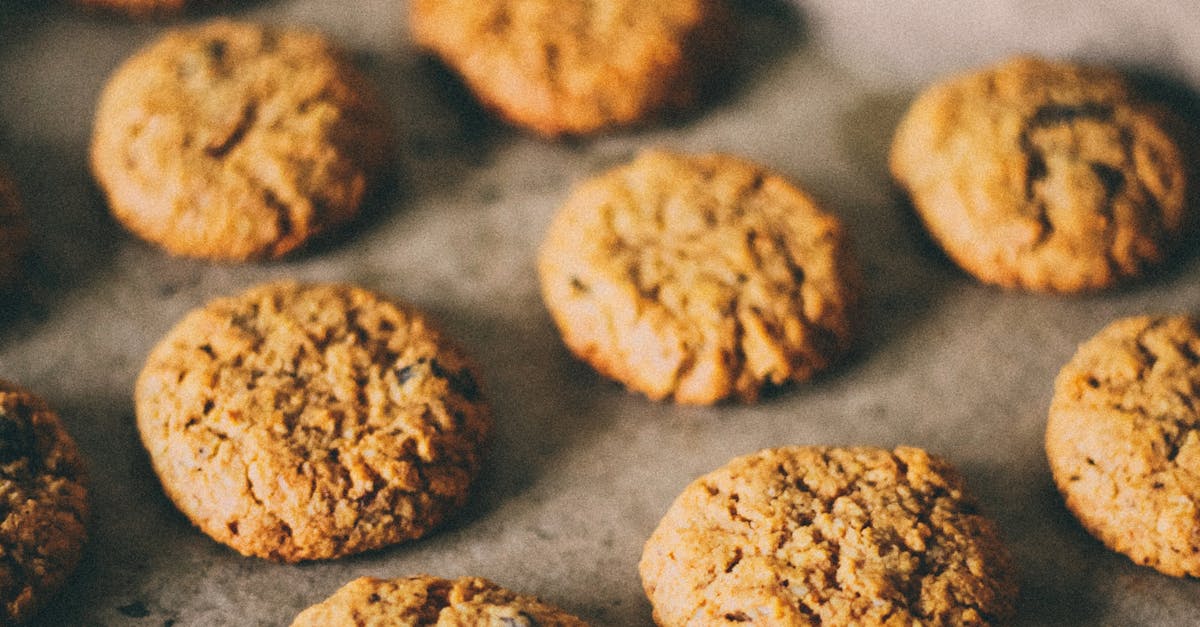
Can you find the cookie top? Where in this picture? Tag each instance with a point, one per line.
(1123, 440)
(578, 67)
(425, 600)
(43, 504)
(828, 536)
(14, 232)
(699, 278)
(1043, 175)
(237, 141)
(297, 422)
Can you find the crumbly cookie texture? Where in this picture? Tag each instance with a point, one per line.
(43, 504)
(578, 67)
(297, 422)
(828, 536)
(1123, 440)
(14, 232)
(425, 600)
(699, 278)
(236, 141)
(1043, 175)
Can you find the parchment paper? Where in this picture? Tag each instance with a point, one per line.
(580, 471)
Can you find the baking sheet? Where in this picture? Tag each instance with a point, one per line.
(580, 471)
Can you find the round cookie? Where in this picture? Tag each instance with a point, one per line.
(577, 67)
(296, 422)
(1123, 440)
(14, 232)
(43, 504)
(236, 141)
(699, 278)
(1043, 175)
(828, 536)
(425, 600)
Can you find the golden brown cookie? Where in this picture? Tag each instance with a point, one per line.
(425, 600)
(14, 232)
(828, 536)
(699, 278)
(297, 422)
(43, 504)
(1123, 440)
(578, 67)
(237, 141)
(1043, 175)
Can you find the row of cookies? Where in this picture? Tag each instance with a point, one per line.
(783, 536)
(234, 142)
(297, 422)
(1057, 179)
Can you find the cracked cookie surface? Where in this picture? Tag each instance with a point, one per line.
(699, 278)
(297, 422)
(578, 67)
(43, 504)
(1043, 175)
(828, 536)
(1123, 440)
(235, 141)
(425, 600)
(14, 232)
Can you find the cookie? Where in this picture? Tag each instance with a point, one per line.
(14, 232)
(425, 600)
(1043, 175)
(43, 504)
(297, 422)
(699, 278)
(236, 141)
(1123, 440)
(576, 67)
(828, 536)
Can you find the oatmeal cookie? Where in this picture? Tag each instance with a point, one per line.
(235, 141)
(699, 278)
(425, 600)
(1123, 440)
(296, 422)
(578, 67)
(43, 504)
(1043, 175)
(828, 536)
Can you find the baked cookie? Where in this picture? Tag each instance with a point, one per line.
(1043, 175)
(298, 422)
(1123, 440)
(236, 141)
(699, 278)
(14, 232)
(43, 504)
(828, 536)
(425, 600)
(578, 67)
